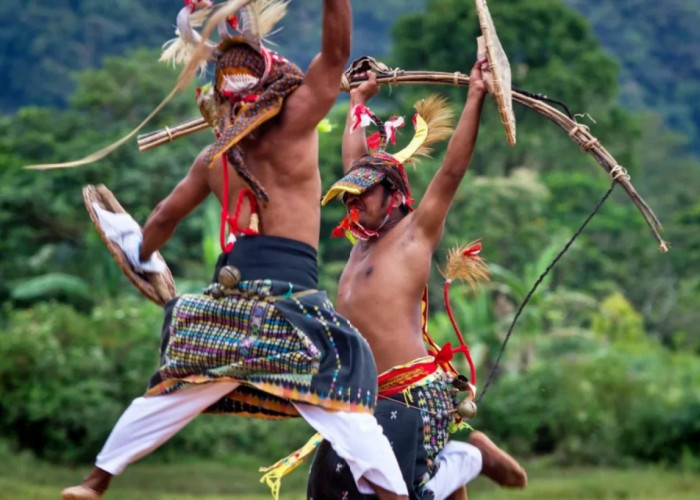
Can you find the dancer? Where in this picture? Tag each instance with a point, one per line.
(381, 291)
(261, 341)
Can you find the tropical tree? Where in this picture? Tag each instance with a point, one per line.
(551, 309)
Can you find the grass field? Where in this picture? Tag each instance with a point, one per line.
(25, 479)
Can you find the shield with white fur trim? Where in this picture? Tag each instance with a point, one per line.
(158, 287)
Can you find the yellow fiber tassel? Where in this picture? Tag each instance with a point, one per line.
(274, 473)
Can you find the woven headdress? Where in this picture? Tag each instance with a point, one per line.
(251, 81)
(432, 123)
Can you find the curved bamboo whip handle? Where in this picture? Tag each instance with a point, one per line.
(579, 133)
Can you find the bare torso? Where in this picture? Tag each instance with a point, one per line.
(287, 167)
(380, 293)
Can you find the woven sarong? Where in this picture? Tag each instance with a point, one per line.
(284, 343)
(416, 420)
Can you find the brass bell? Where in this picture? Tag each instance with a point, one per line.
(229, 276)
(460, 382)
(466, 409)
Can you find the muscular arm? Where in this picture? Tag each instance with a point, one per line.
(316, 95)
(189, 193)
(354, 143)
(430, 215)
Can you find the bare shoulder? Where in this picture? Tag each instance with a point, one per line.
(199, 165)
(202, 171)
(200, 177)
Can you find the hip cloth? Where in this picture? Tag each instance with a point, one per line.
(267, 348)
(415, 412)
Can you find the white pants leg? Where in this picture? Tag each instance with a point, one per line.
(358, 438)
(150, 421)
(459, 463)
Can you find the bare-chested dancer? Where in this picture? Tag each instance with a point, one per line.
(380, 292)
(261, 341)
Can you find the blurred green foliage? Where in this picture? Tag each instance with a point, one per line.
(603, 364)
(65, 377)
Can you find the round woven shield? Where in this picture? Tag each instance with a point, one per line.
(500, 69)
(158, 287)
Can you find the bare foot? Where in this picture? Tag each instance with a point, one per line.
(498, 465)
(92, 487)
(80, 493)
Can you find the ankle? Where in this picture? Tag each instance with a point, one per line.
(98, 480)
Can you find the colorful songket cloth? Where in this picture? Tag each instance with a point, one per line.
(282, 340)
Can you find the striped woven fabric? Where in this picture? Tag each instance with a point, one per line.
(283, 347)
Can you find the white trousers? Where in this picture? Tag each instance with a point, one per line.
(150, 421)
(459, 463)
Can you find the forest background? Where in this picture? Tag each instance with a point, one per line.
(604, 365)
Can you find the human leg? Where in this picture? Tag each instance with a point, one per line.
(146, 424)
(498, 465)
(460, 494)
(459, 464)
(359, 440)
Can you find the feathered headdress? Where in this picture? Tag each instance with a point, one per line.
(432, 124)
(251, 21)
(250, 81)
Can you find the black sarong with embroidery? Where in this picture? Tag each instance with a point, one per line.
(274, 333)
(417, 426)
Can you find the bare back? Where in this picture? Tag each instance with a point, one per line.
(380, 293)
(283, 153)
(287, 167)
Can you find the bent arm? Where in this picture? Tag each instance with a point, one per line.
(354, 142)
(314, 98)
(189, 193)
(432, 211)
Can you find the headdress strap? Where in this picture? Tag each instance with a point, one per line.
(232, 221)
(235, 158)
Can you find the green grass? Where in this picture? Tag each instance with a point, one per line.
(26, 479)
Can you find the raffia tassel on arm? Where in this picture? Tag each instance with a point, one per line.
(464, 263)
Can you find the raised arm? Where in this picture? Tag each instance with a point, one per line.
(314, 98)
(189, 193)
(430, 215)
(354, 143)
